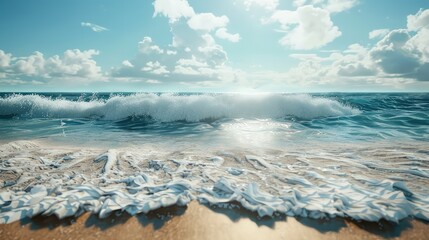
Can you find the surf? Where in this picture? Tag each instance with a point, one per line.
(170, 107)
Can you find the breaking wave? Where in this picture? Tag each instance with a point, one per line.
(174, 107)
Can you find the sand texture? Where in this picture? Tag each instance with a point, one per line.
(200, 222)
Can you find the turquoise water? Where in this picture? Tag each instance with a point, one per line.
(243, 119)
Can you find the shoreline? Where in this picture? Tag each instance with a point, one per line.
(197, 221)
(46, 179)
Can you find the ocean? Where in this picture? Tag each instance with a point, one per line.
(358, 155)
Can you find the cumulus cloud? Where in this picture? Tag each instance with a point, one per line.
(420, 42)
(203, 51)
(223, 33)
(72, 64)
(352, 62)
(173, 9)
(419, 20)
(207, 21)
(378, 33)
(146, 46)
(284, 17)
(127, 63)
(335, 6)
(404, 52)
(266, 4)
(4, 58)
(185, 70)
(31, 65)
(155, 68)
(212, 52)
(309, 26)
(306, 28)
(332, 6)
(193, 56)
(419, 23)
(355, 70)
(397, 54)
(393, 54)
(400, 57)
(197, 58)
(93, 27)
(193, 62)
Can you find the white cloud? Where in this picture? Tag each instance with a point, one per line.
(193, 57)
(198, 59)
(332, 6)
(73, 64)
(191, 62)
(352, 62)
(398, 59)
(4, 59)
(146, 46)
(393, 55)
(355, 69)
(127, 63)
(212, 52)
(207, 21)
(155, 68)
(284, 17)
(266, 4)
(223, 33)
(378, 33)
(171, 52)
(299, 3)
(356, 48)
(401, 55)
(420, 42)
(185, 70)
(419, 23)
(173, 9)
(310, 25)
(335, 6)
(306, 28)
(348, 69)
(153, 81)
(419, 20)
(31, 65)
(93, 27)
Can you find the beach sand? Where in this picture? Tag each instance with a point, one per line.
(201, 222)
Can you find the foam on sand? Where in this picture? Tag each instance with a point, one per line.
(68, 182)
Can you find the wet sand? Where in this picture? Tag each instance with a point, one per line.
(201, 222)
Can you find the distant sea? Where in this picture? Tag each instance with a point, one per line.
(358, 155)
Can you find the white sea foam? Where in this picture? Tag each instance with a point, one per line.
(324, 182)
(171, 107)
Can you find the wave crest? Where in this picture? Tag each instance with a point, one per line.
(174, 107)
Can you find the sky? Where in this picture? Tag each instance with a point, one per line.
(214, 46)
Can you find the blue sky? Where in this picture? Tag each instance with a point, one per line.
(219, 46)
